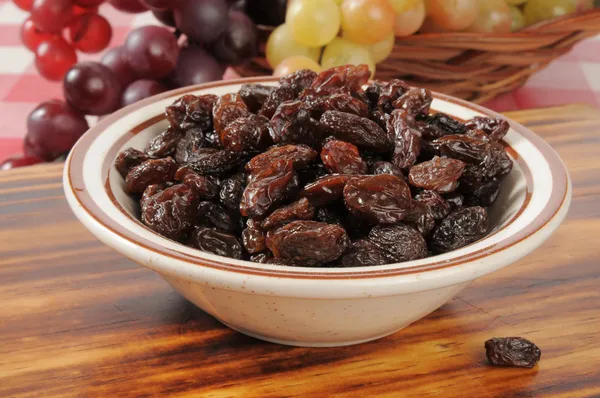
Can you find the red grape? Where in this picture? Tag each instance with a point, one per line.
(52, 129)
(140, 89)
(267, 12)
(238, 43)
(92, 88)
(51, 15)
(151, 51)
(239, 5)
(89, 33)
(54, 57)
(131, 6)
(24, 4)
(19, 161)
(31, 36)
(88, 3)
(165, 17)
(201, 20)
(116, 60)
(160, 4)
(195, 66)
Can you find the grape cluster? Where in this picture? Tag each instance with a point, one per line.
(208, 36)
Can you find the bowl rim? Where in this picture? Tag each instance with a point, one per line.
(74, 179)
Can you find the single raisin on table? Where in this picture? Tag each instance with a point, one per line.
(253, 237)
(407, 139)
(308, 243)
(255, 95)
(299, 210)
(360, 131)
(150, 172)
(460, 228)
(300, 156)
(342, 158)
(217, 242)
(398, 242)
(164, 144)
(512, 351)
(128, 159)
(228, 108)
(438, 174)
(380, 199)
(362, 253)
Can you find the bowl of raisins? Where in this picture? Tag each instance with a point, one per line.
(321, 209)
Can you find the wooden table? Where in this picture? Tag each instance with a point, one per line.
(77, 319)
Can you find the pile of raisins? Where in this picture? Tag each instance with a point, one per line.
(324, 169)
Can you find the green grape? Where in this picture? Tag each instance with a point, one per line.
(410, 21)
(515, 2)
(493, 16)
(338, 2)
(401, 6)
(452, 14)
(295, 63)
(313, 23)
(518, 19)
(542, 10)
(282, 45)
(381, 50)
(367, 21)
(341, 52)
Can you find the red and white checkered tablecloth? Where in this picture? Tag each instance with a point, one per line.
(573, 78)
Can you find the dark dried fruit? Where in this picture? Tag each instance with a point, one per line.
(455, 200)
(170, 212)
(255, 95)
(299, 80)
(380, 117)
(262, 258)
(253, 237)
(360, 131)
(332, 214)
(300, 156)
(438, 205)
(217, 242)
(326, 189)
(438, 174)
(164, 144)
(495, 128)
(347, 77)
(446, 124)
(399, 242)
(280, 95)
(205, 187)
(299, 210)
(308, 243)
(249, 133)
(214, 161)
(214, 215)
(485, 194)
(372, 92)
(343, 102)
(231, 191)
(269, 187)
(363, 253)
(128, 159)
(192, 111)
(312, 173)
(421, 218)
(512, 351)
(293, 123)
(153, 171)
(467, 149)
(407, 139)
(342, 158)
(228, 108)
(389, 93)
(382, 167)
(415, 101)
(380, 199)
(460, 228)
(192, 141)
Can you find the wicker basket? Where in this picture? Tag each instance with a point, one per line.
(473, 66)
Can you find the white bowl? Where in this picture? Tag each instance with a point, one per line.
(300, 305)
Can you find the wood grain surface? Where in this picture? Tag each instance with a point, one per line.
(77, 319)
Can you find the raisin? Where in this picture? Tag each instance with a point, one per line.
(485, 194)
(372, 93)
(438, 174)
(299, 210)
(164, 144)
(380, 199)
(270, 186)
(299, 80)
(205, 187)
(331, 214)
(438, 205)
(407, 139)
(253, 237)
(293, 123)
(421, 218)
(312, 173)
(128, 159)
(360, 131)
(228, 108)
(343, 102)
(217, 242)
(214, 161)
(255, 95)
(398, 242)
(192, 111)
(460, 228)
(416, 101)
(362, 253)
(308, 243)
(342, 158)
(280, 95)
(216, 216)
(512, 351)
(262, 258)
(380, 117)
(326, 189)
(300, 155)
(446, 124)
(383, 167)
(455, 201)
(495, 128)
(348, 77)
(246, 134)
(467, 149)
(231, 191)
(170, 212)
(478, 134)
(150, 172)
(192, 141)
(389, 93)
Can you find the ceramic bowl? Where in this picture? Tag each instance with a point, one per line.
(301, 305)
